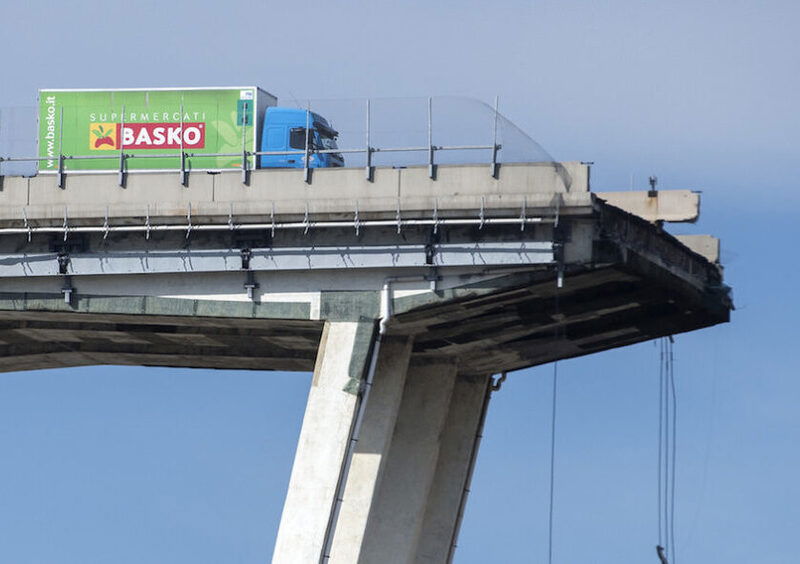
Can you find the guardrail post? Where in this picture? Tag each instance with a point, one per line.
(182, 174)
(306, 174)
(431, 148)
(60, 176)
(121, 174)
(368, 168)
(60, 173)
(494, 169)
(244, 143)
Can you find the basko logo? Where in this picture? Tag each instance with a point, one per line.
(106, 136)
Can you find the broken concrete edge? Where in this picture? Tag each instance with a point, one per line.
(674, 206)
(628, 235)
(630, 232)
(707, 246)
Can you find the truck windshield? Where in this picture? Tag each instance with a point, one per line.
(327, 141)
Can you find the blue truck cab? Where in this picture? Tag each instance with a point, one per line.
(285, 130)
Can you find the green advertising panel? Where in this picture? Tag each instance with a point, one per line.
(157, 124)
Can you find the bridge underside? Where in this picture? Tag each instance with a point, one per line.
(516, 321)
(52, 339)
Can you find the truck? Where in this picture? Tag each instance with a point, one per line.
(157, 129)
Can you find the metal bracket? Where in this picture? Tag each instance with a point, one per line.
(67, 289)
(435, 215)
(497, 383)
(246, 255)
(653, 192)
(558, 211)
(398, 217)
(272, 220)
(65, 226)
(147, 224)
(250, 284)
(105, 226)
(26, 224)
(189, 220)
(430, 253)
(63, 262)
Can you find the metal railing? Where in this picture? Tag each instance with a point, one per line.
(480, 220)
(309, 150)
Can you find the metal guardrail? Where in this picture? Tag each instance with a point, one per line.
(307, 224)
(368, 150)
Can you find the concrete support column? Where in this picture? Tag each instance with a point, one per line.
(395, 522)
(370, 456)
(323, 440)
(455, 456)
(406, 478)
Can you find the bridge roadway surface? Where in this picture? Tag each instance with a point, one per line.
(404, 294)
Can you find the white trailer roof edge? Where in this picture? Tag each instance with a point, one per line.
(162, 88)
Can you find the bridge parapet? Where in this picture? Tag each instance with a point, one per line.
(333, 193)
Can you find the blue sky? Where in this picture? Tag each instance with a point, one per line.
(154, 465)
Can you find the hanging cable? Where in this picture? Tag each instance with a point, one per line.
(665, 485)
(558, 333)
(660, 438)
(667, 450)
(671, 356)
(552, 465)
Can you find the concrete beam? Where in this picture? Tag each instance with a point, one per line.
(663, 205)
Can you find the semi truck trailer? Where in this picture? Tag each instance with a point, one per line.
(155, 129)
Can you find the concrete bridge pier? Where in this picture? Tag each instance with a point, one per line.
(400, 496)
